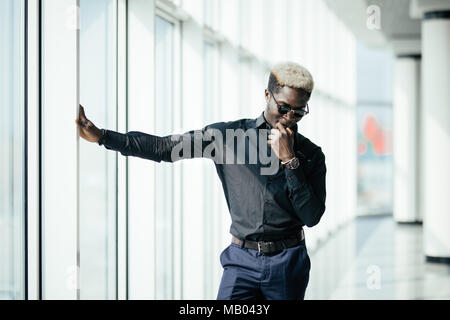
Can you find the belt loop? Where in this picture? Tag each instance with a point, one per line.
(242, 243)
(283, 244)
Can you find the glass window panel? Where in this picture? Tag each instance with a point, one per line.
(12, 157)
(208, 107)
(229, 20)
(98, 187)
(164, 173)
(207, 12)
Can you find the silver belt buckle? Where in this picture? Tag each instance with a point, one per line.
(263, 243)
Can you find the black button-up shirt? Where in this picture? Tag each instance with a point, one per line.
(264, 205)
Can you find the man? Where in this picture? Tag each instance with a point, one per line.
(267, 258)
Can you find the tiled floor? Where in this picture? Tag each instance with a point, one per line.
(376, 258)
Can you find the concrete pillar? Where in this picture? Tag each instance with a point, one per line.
(405, 137)
(435, 128)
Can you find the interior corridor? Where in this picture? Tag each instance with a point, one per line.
(376, 258)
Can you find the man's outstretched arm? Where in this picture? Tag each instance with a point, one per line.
(139, 144)
(143, 145)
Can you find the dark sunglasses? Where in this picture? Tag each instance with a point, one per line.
(285, 108)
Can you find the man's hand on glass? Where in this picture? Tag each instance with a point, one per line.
(88, 130)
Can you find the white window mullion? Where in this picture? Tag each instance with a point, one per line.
(141, 173)
(193, 188)
(122, 250)
(33, 150)
(60, 99)
(12, 157)
(177, 168)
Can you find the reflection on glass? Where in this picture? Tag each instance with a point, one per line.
(164, 171)
(12, 156)
(98, 168)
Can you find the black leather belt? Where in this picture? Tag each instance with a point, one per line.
(270, 246)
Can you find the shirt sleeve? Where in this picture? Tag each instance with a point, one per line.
(171, 148)
(307, 195)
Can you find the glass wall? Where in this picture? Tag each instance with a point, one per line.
(12, 154)
(164, 109)
(167, 82)
(98, 169)
(211, 231)
(59, 225)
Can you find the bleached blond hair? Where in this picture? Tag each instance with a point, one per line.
(292, 75)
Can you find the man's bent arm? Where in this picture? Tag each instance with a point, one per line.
(308, 195)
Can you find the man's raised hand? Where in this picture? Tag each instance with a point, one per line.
(281, 140)
(88, 130)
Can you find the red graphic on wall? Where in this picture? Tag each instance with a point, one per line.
(373, 133)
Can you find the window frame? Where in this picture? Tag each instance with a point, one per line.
(177, 167)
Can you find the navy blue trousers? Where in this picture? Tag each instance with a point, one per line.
(248, 274)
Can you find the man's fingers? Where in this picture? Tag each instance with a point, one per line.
(274, 136)
(83, 121)
(82, 115)
(280, 127)
(80, 123)
(289, 130)
(275, 133)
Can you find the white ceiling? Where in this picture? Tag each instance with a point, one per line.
(396, 23)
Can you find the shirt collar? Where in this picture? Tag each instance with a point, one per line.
(261, 121)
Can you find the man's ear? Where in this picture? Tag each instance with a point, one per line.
(267, 95)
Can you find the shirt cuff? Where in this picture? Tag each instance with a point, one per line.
(113, 140)
(101, 141)
(295, 178)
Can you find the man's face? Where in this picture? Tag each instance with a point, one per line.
(285, 96)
